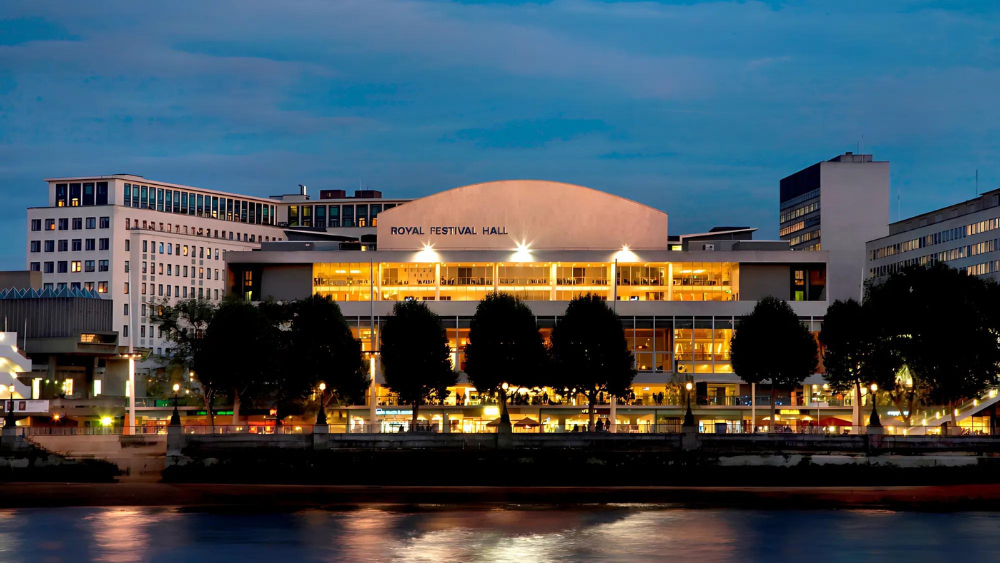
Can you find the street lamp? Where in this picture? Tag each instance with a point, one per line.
(504, 415)
(321, 416)
(175, 418)
(689, 416)
(874, 419)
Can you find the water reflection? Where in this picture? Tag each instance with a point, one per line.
(521, 534)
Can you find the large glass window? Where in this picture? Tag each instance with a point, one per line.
(465, 282)
(348, 215)
(102, 193)
(343, 281)
(88, 193)
(306, 218)
(62, 192)
(400, 282)
(74, 195)
(361, 213)
(201, 205)
(144, 198)
(320, 216)
(293, 215)
(334, 215)
(376, 208)
(529, 282)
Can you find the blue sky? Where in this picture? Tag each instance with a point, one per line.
(696, 108)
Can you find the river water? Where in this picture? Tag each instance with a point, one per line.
(439, 534)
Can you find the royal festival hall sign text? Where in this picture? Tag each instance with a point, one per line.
(461, 231)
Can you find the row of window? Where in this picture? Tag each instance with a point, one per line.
(939, 237)
(341, 215)
(132, 224)
(800, 212)
(101, 286)
(804, 237)
(63, 245)
(71, 266)
(180, 271)
(958, 253)
(81, 194)
(172, 249)
(198, 205)
(64, 223)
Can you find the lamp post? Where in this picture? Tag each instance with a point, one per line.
(689, 416)
(504, 415)
(175, 418)
(321, 416)
(874, 419)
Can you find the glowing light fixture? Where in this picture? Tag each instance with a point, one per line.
(522, 252)
(105, 421)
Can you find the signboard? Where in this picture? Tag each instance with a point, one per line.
(28, 406)
(393, 412)
(462, 230)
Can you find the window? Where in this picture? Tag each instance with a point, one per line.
(50, 246)
(74, 285)
(61, 195)
(105, 222)
(160, 292)
(64, 224)
(126, 266)
(348, 216)
(50, 224)
(47, 286)
(63, 245)
(144, 244)
(362, 215)
(75, 266)
(126, 290)
(89, 286)
(144, 266)
(144, 198)
(102, 287)
(88, 266)
(61, 285)
(62, 267)
(102, 193)
(105, 244)
(36, 267)
(104, 265)
(36, 224)
(170, 249)
(128, 195)
(36, 246)
(91, 222)
(77, 244)
(77, 223)
(128, 245)
(142, 331)
(49, 267)
(170, 270)
(88, 193)
(91, 244)
(125, 331)
(185, 250)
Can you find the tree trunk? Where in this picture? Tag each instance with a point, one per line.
(236, 407)
(209, 396)
(954, 423)
(591, 410)
(413, 421)
(773, 428)
(860, 409)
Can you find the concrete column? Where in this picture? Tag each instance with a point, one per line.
(553, 272)
(670, 281)
(437, 282)
(375, 427)
(445, 423)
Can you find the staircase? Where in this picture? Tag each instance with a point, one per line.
(965, 410)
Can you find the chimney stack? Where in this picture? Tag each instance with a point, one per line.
(302, 189)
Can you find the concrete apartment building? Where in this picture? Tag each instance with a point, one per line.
(964, 236)
(847, 198)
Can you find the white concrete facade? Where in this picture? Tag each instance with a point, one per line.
(118, 248)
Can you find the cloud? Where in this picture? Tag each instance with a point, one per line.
(529, 133)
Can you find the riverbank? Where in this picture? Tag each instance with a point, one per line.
(296, 497)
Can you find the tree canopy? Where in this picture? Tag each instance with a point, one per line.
(416, 358)
(504, 347)
(324, 349)
(238, 353)
(771, 345)
(944, 325)
(589, 351)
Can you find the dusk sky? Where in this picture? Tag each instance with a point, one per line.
(698, 109)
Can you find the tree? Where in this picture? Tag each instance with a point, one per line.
(770, 344)
(504, 347)
(238, 354)
(857, 351)
(323, 349)
(590, 353)
(945, 324)
(416, 358)
(184, 324)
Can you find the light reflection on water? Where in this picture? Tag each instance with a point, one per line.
(520, 534)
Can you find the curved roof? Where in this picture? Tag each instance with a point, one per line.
(536, 213)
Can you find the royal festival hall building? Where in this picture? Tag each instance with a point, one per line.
(679, 298)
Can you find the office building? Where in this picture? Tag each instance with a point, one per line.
(965, 235)
(846, 199)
